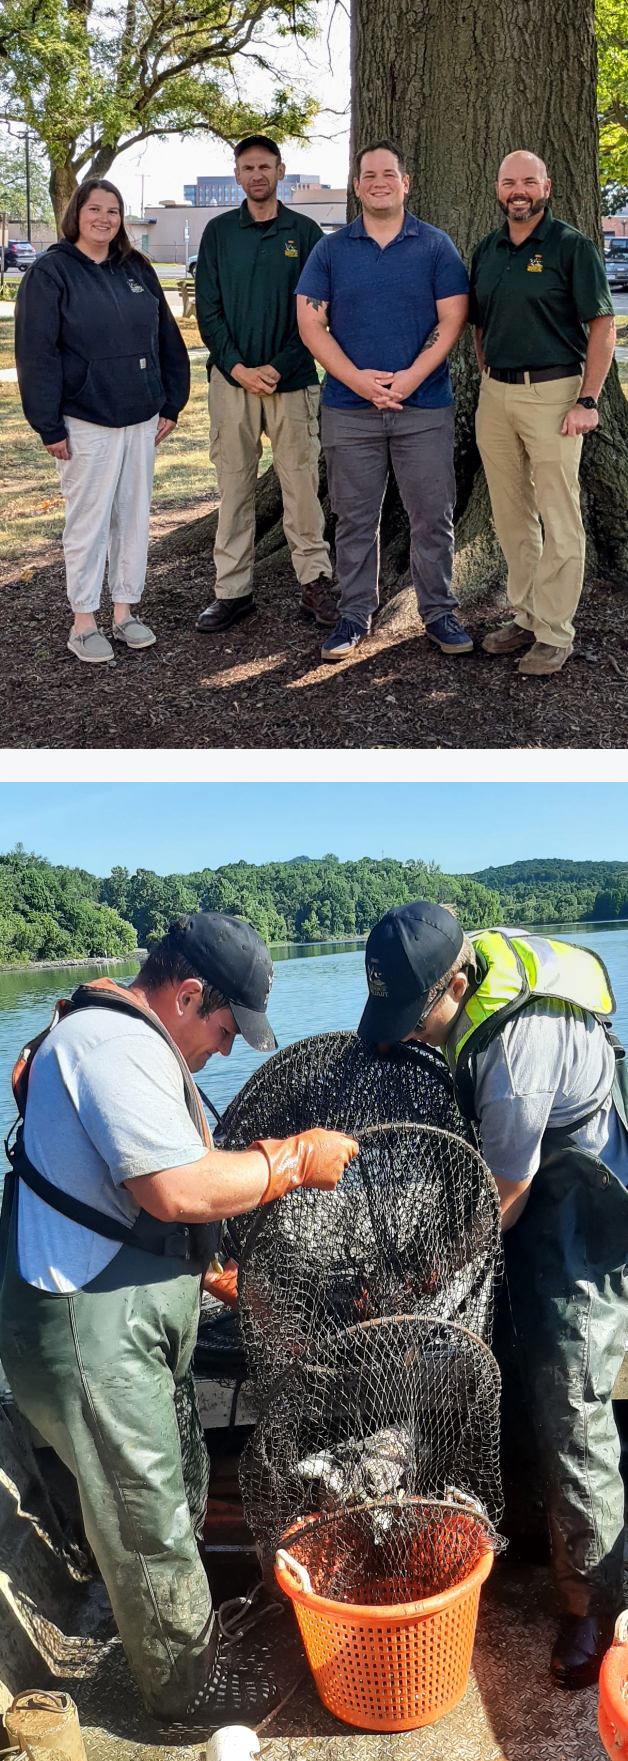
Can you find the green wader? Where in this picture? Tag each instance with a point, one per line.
(103, 1374)
(567, 1290)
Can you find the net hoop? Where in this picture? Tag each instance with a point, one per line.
(392, 1612)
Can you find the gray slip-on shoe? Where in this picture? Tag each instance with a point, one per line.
(90, 646)
(135, 634)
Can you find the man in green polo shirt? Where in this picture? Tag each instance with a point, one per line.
(262, 379)
(545, 336)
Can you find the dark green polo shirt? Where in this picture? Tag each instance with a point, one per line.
(533, 301)
(246, 279)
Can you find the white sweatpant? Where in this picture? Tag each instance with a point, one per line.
(106, 484)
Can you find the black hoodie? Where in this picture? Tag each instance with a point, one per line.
(97, 341)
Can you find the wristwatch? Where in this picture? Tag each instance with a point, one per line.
(589, 403)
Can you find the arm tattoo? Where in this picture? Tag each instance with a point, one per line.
(309, 301)
(431, 340)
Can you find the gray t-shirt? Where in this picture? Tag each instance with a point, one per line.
(106, 1102)
(549, 1066)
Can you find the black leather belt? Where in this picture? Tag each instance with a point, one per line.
(511, 376)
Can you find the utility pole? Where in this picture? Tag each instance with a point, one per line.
(28, 187)
(142, 206)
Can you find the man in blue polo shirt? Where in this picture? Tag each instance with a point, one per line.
(381, 304)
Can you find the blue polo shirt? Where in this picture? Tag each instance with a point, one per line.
(382, 303)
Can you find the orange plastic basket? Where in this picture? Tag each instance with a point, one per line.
(386, 1665)
(612, 1716)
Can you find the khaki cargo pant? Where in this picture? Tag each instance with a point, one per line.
(531, 470)
(237, 422)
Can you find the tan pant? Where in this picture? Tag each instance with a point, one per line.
(531, 470)
(237, 422)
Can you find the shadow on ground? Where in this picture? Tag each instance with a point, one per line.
(56, 1630)
(263, 683)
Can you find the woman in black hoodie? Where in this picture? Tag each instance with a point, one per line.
(103, 373)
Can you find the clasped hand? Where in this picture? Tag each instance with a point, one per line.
(387, 391)
(262, 381)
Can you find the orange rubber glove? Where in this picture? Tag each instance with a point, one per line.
(315, 1158)
(223, 1284)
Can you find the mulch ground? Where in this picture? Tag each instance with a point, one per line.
(263, 683)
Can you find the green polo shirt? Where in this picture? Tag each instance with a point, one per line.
(246, 279)
(532, 301)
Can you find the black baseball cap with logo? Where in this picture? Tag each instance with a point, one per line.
(407, 952)
(231, 956)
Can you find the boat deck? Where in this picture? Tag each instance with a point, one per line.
(56, 1630)
(510, 1712)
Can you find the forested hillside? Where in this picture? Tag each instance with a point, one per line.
(556, 891)
(49, 913)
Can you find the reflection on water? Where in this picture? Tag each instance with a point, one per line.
(317, 988)
(309, 995)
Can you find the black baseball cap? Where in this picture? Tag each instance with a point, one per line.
(231, 956)
(407, 952)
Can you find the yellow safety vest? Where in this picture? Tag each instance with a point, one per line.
(514, 969)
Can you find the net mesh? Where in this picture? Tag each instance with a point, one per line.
(389, 1409)
(412, 1227)
(336, 1081)
(380, 1555)
(366, 1318)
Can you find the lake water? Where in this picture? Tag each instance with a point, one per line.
(315, 990)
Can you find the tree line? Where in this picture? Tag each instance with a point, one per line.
(52, 912)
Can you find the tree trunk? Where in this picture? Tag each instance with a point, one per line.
(63, 181)
(459, 84)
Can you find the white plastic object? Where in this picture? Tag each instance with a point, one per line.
(299, 1571)
(235, 1742)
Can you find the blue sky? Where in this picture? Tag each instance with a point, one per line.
(179, 827)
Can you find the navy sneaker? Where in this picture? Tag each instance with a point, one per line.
(449, 634)
(343, 640)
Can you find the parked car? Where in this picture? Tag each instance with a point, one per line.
(617, 263)
(18, 254)
(192, 262)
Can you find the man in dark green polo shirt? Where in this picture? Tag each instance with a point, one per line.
(262, 379)
(545, 336)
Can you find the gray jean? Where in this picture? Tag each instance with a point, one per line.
(360, 446)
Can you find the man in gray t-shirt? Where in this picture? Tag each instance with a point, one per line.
(523, 1022)
(107, 1219)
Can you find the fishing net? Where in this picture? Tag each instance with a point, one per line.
(383, 1554)
(336, 1081)
(391, 1409)
(194, 1457)
(219, 1351)
(412, 1227)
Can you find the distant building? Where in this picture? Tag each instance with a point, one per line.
(222, 191)
(169, 221)
(614, 225)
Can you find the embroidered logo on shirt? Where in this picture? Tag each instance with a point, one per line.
(375, 981)
(291, 250)
(136, 287)
(535, 265)
(142, 360)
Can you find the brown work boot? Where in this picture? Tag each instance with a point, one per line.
(545, 657)
(507, 638)
(318, 599)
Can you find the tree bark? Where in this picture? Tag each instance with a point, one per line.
(459, 84)
(63, 181)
